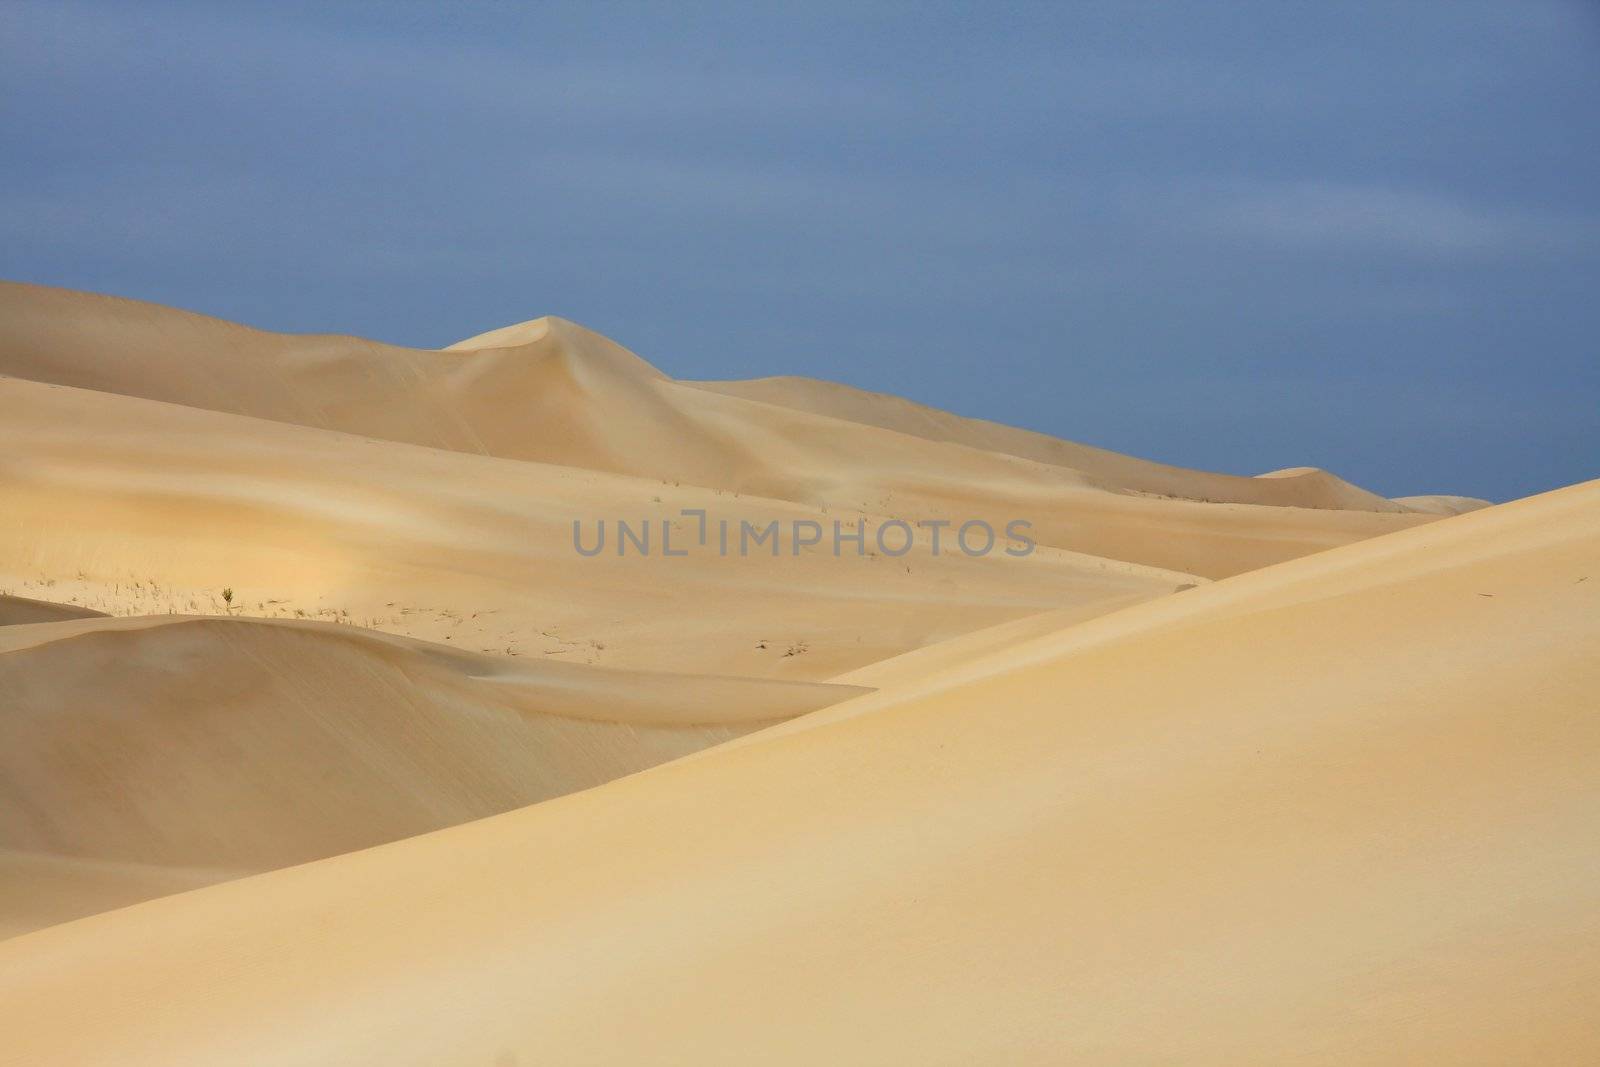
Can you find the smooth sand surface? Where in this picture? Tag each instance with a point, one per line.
(15, 610)
(1340, 810)
(321, 744)
(1443, 505)
(1305, 487)
(42, 889)
(173, 743)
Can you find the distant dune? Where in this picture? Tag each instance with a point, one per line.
(1443, 505)
(556, 393)
(1317, 489)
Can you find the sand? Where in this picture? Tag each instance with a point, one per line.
(553, 392)
(1233, 769)
(15, 610)
(236, 745)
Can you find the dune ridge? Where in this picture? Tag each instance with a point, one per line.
(554, 392)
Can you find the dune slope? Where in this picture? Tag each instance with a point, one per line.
(1310, 489)
(553, 392)
(15, 610)
(1443, 505)
(1339, 810)
(176, 744)
(161, 507)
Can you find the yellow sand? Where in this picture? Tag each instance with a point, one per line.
(1341, 810)
(430, 788)
(236, 745)
(15, 610)
(554, 392)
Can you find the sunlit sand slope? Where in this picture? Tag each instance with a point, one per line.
(1337, 811)
(160, 508)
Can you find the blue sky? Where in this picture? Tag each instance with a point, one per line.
(1233, 236)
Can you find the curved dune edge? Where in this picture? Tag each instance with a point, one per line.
(20, 610)
(961, 652)
(143, 756)
(38, 890)
(541, 687)
(1337, 811)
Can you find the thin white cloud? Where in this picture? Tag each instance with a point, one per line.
(1330, 215)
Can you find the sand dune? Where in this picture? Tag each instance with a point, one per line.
(974, 647)
(1316, 489)
(320, 742)
(39, 890)
(163, 506)
(553, 392)
(20, 609)
(1248, 823)
(240, 745)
